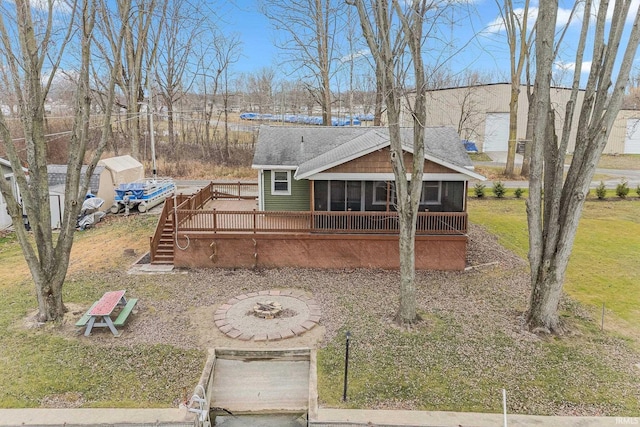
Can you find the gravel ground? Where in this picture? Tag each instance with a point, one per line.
(479, 311)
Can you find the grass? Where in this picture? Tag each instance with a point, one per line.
(603, 266)
(619, 161)
(457, 363)
(459, 359)
(39, 365)
(466, 350)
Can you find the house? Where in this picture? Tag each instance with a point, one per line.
(480, 113)
(325, 199)
(349, 169)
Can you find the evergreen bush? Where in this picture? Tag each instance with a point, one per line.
(601, 191)
(622, 189)
(518, 193)
(498, 189)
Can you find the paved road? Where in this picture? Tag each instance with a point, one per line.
(632, 176)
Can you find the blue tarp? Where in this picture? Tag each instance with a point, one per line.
(470, 146)
(309, 120)
(134, 188)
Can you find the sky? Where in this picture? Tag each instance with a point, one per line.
(480, 43)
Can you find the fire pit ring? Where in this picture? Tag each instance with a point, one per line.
(293, 312)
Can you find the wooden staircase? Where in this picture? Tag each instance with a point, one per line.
(164, 252)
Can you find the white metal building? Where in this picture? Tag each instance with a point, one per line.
(481, 114)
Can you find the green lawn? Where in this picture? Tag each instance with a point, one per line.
(604, 266)
(50, 365)
(468, 348)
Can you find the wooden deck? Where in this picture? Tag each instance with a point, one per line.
(227, 230)
(227, 205)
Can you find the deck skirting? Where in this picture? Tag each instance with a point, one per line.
(307, 250)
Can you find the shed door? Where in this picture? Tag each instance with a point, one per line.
(496, 132)
(5, 218)
(632, 138)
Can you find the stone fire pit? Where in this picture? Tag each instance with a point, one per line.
(267, 309)
(267, 315)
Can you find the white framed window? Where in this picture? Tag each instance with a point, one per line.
(280, 183)
(430, 193)
(380, 193)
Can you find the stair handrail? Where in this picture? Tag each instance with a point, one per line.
(167, 210)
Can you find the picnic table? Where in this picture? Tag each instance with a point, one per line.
(99, 315)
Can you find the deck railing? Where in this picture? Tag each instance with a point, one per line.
(232, 190)
(435, 223)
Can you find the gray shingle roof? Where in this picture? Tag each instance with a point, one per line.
(57, 175)
(313, 149)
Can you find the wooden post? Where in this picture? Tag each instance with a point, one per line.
(215, 221)
(388, 191)
(254, 220)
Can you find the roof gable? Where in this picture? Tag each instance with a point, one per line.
(311, 150)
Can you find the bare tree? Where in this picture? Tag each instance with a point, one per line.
(26, 57)
(519, 41)
(136, 49)
(311, 27)
(227, 53)
(394, 34)
(175, 70)
(553, 221)
(260, 87)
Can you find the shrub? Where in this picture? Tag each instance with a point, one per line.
(622, 189)
(638, 190)
(601, 191)
(479, 190)
(498, 189)
(518, 193)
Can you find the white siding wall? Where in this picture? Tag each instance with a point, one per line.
(624, 134)
(466, 109)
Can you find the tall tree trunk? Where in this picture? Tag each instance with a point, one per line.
(526, 158)
(553, 221)
(47, 259)
(377, 112)
(513, 129)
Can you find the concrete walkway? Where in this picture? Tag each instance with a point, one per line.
(344, 417)
(326, 418)
(94, 416)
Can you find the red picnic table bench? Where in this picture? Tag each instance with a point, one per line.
(99, 315)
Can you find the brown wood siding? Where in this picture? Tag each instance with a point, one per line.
(379, 162)
(235, 250)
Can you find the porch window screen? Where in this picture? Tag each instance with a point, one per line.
(430, 193)
(380, 192)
